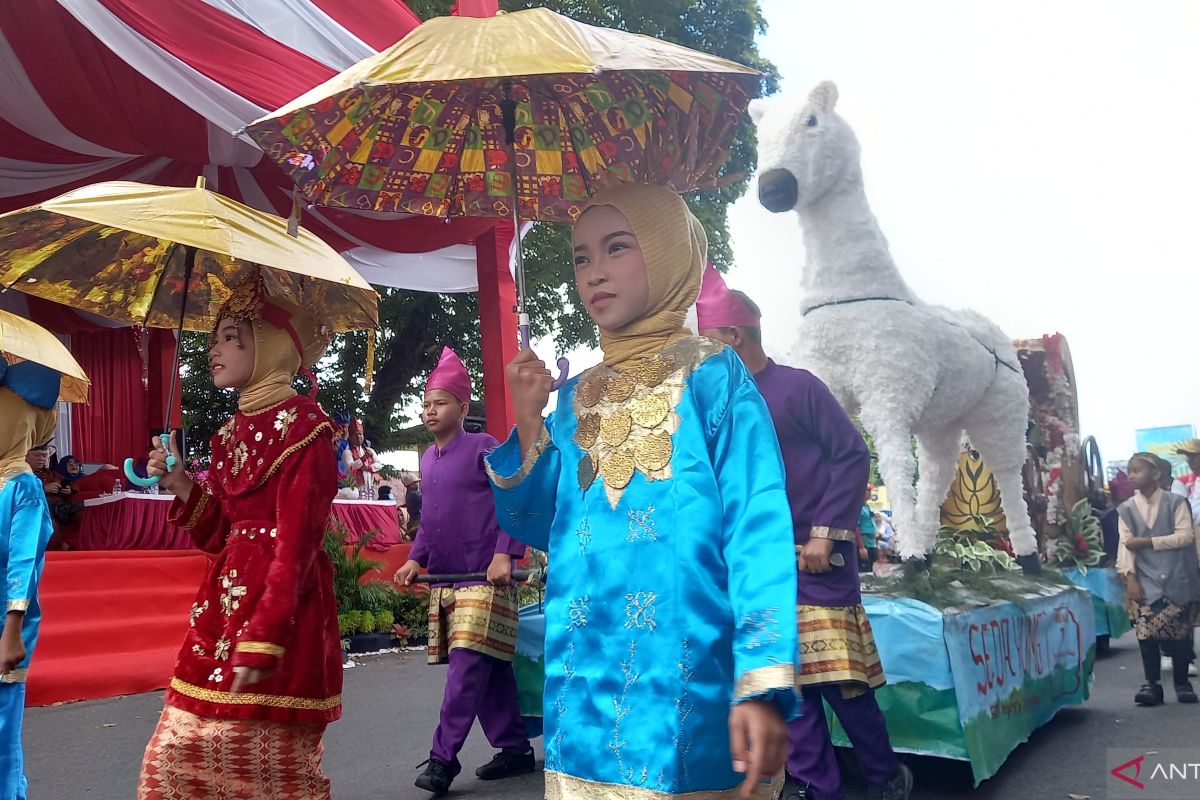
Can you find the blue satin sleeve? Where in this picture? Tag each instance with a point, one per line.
(27, 538)
(759, 550)
(26, 527)
(525, 487)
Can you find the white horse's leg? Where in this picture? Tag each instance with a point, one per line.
(937, 464)
(996, 428)
(893, 442)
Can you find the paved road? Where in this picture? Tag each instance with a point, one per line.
(92, 750)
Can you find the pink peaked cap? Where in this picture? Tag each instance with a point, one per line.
(451, 375)
(718, 307)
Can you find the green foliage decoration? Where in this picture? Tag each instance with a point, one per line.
(976, 549)
(1080, 545)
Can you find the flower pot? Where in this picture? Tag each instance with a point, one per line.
(370, 642)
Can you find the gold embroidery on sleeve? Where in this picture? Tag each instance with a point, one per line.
(514, 480)
(194, 518)
(764, 679)
(264, 648)
(836, 534)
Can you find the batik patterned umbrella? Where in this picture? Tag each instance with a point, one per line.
(444, 121)
(521, 115)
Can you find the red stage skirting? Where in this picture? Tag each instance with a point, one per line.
(361, 516)
(139, 522)
(112, 621)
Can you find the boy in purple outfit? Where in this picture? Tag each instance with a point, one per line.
(826, 464)
(472, 625)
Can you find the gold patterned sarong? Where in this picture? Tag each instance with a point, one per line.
(201, 758)
(479, 618)
(837, 646)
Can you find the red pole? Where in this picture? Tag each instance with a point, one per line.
(475, 8)
(498, 324)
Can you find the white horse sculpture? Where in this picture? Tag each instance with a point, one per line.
(908, 368)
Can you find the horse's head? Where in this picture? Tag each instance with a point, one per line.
(802, 151)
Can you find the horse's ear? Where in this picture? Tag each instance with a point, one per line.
(824, 96)
(757, 108)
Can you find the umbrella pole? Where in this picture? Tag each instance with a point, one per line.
(522, 310)
(564, 365)
(189, 263)
(508, 114)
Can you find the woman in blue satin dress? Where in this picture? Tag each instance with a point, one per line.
(28, 415)
(657, 487)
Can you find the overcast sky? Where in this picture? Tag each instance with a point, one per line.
(1035, 161)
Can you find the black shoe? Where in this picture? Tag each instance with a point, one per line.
(794, 789)
(898, 788)
(1184, 693)
(506, 764)
(436, 778)
(1149, 695)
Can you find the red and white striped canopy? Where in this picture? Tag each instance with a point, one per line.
(149, 90)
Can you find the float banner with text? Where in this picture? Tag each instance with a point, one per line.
(1108, 598)
(1015, 664)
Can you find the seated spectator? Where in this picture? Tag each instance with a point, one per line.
(70, 469)
(63, 508)
(412, 500)
(385, 493)
(885, 537)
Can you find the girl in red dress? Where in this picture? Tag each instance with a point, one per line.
(260, 673)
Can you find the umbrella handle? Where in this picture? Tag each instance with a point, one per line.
(138, 480)
(564, 365)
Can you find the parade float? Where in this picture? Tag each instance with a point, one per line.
(1063, 482)
(980, 645)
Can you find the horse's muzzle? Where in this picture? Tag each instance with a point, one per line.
(778, 190)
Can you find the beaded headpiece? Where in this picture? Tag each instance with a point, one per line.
(250, 301)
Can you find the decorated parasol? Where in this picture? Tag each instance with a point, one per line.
(24, 341)
(521, 115)
(169, 258)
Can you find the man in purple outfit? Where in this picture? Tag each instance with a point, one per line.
(473, 624)
(826, 464)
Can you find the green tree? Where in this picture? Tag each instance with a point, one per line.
(414, 325)
(205, 407)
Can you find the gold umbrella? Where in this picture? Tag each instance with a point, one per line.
(153, 256)
(22, 340)
(166, 257)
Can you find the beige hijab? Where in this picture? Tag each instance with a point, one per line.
(675, 248)
(22, 427)
(276, 362)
